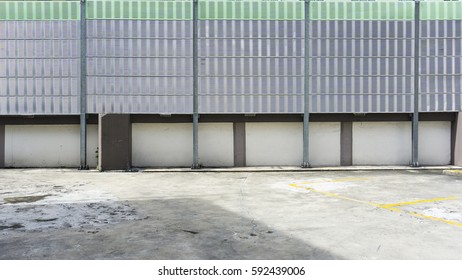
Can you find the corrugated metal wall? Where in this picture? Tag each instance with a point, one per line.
(441, 56)
(362, 57)
(39, 57)
(251, 56)
(140, 57)
(251, 66)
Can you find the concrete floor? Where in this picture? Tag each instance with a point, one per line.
(65, 214)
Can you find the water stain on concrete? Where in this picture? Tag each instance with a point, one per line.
(46, 220)
(25, 199)
(12, 226)
(191, 231)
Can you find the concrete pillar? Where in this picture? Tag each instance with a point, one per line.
(239, 144)
(457, 140)
(346, 144)
(2, 145)
(115, 142)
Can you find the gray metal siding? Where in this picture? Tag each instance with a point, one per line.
(441, 65)
(251, 66)
(245, 66)
(139, 66)
(39, 67)
(361, 66)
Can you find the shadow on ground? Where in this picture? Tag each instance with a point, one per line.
(169, 229)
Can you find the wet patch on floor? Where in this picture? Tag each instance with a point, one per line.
(25, 199)
(190, 231)
(46, 220)
(44, 207)
(12, 226)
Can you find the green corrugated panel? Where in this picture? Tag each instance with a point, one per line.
(227, 9)
(361, 10)
(39, 10)
(251, 9)
(146, 9)
(440, 10)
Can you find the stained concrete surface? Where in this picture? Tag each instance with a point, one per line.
(404, 214)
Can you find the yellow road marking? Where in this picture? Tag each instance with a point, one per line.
(449, 222)
(335, 181)
(335, 195)
(392, 206)
(420, 201)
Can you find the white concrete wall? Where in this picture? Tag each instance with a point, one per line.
(216, 144)
(324, 144)
(274, 144)
(282, 144)
(170, 145)
(381, 143)
(434, 143)
(374, 143)
(390, 143)
(48, 145)
(161, 144)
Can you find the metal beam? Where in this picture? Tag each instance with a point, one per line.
(415, 115)
(238, 118)
(306, 113)
(83, 86)
(195, 164)
(454, 139)
(457, 151)
(2, 145)
(46, 119)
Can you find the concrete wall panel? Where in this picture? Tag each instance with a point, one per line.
(216, 144)
(389, 143)
(47, 145)
(282, 144)
(434, 143)
(381, 143)
(170, 145)
(325, 144)
(274, 144)
(162, 144)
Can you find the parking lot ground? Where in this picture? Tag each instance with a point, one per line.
(377, 214)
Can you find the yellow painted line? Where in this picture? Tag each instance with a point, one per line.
(391, 207)
(419, 201)
(335, 180)
(449, 222)
(394, 209)
(453, 172)
(335, 195)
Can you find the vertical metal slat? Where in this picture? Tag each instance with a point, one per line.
(306, 114)
(195, 164)
(83, 87)
(415, 115)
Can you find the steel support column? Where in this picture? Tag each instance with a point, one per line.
(83, 86)
(195, 164)
(415, 115)
(306, 98)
